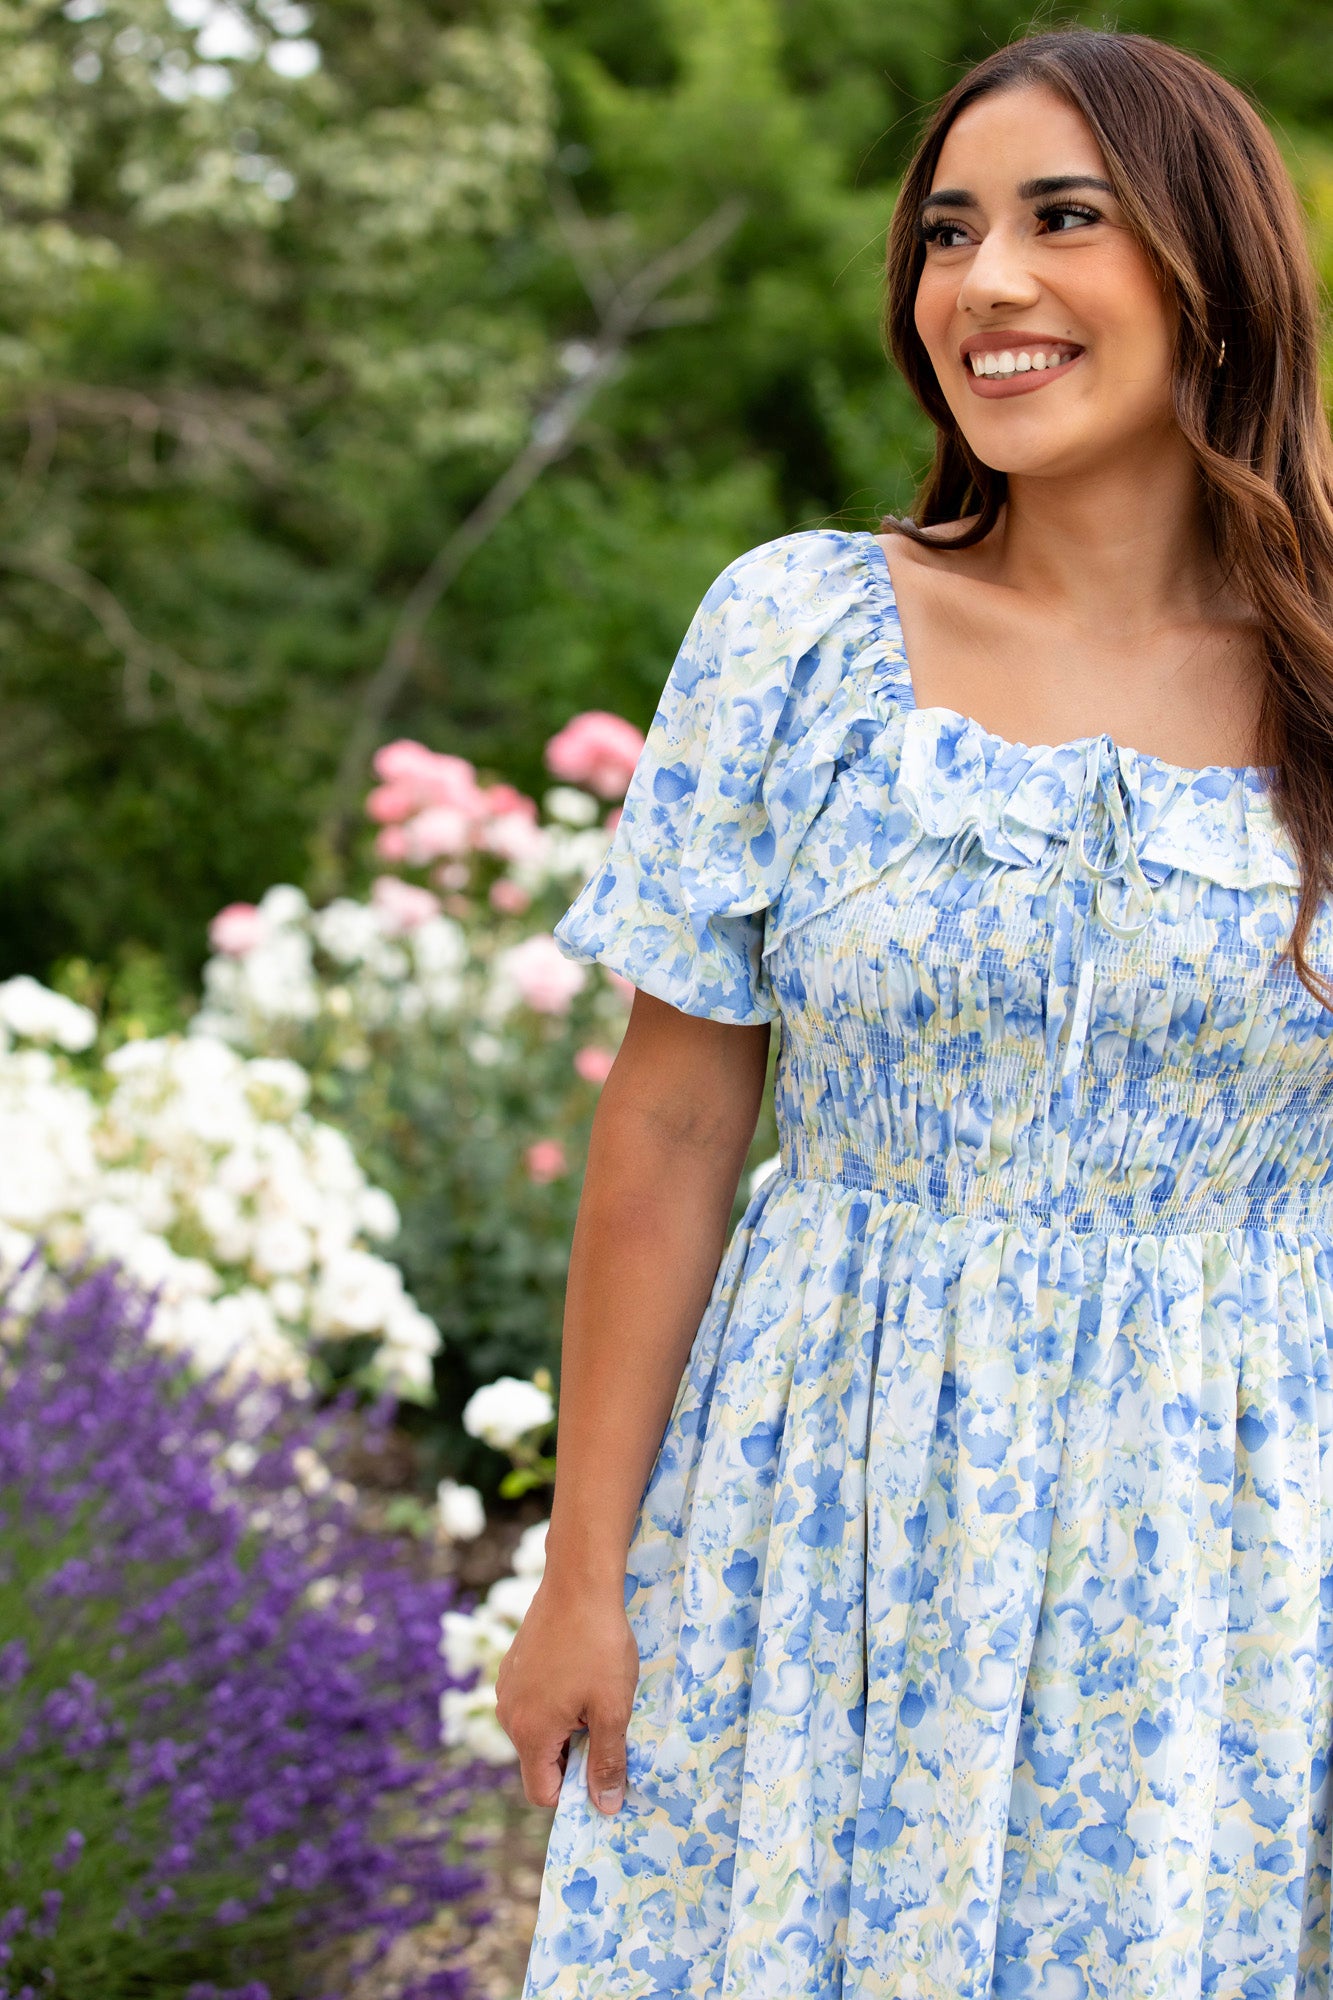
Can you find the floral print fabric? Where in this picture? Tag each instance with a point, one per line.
(983, 1585)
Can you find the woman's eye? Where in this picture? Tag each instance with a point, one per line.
(942, 234)
(1061, 214)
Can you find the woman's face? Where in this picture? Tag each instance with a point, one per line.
(1031, 270)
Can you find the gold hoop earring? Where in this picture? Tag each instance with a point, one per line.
(1221, 355)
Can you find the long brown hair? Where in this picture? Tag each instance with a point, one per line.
(1204, 188)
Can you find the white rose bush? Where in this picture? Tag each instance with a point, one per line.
(204, 1177)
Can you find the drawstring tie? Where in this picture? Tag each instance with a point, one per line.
(1081, 904)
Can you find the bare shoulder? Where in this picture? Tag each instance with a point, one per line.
(910, 553)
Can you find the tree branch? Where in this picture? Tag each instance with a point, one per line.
(227, 426)
(144, 660)
(623, 310)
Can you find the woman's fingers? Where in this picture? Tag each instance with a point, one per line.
(606, 1756)
(543, 1767)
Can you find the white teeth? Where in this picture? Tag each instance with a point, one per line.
(1007, 362)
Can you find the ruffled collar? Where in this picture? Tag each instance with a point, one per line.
(1217, 822)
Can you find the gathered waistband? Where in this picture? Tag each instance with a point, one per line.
(946, 1188)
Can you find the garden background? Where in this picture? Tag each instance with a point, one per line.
(382, 382)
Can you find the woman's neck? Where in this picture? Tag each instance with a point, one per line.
(1119, 552)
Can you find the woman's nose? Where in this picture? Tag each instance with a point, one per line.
(997, 275)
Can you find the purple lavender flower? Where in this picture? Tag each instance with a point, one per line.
(219, 1689)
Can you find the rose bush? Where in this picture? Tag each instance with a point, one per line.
(204, 1175)
(447, 1036)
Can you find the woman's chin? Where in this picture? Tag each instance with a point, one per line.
(1052, 455)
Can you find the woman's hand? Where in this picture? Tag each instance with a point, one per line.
(574, 1665)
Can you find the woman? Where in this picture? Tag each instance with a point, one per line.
(974, 1633)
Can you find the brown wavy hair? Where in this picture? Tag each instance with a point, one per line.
(1205, 190)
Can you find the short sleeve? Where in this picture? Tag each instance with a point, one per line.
(737, 761)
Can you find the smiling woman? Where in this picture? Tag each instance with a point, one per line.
(938, 1600)
(1106, 213)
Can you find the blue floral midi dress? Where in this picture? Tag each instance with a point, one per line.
(983, 1584)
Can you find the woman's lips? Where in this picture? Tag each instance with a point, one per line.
(992, 387)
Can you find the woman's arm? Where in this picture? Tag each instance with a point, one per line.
(670, 1136)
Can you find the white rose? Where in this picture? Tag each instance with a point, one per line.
(503, 1411)
(462, 1515)
(356, 1293)
(567, 803)
(510, 1597)
(530, 1555)
(282, 904)
(467, 1722)
(278, 1077)
(439, 946)
(332, 1161)
(282, 1249)
(288, 1299)
(406, 1371)
(411, 1330)
(377, 1213)
(39, 1015)
(458, 1648)
(220, 1213)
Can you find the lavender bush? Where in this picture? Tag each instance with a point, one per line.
(219, 1698)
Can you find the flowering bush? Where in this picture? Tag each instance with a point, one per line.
(205, 1176)
(445, 1033)
(218, 1696)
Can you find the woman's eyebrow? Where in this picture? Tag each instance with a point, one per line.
(1027, 190)
(1061, 184)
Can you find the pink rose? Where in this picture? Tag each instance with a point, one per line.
(391, 843)
(508, 799)
(513, 837)
(597, 750)
(510, 898)
(594, 1064)
(415, 779)
(388, 803)
(402, 762)
(236, 930)
(401, 904)
(545, 979)
(439, 830)
(545, 1160)
(613, 818)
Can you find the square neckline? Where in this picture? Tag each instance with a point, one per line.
(1256, 774)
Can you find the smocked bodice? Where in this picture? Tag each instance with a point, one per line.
(1063, 999)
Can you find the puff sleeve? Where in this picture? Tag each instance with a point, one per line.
(738, 761)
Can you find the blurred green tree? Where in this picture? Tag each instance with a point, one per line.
(412, 368)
